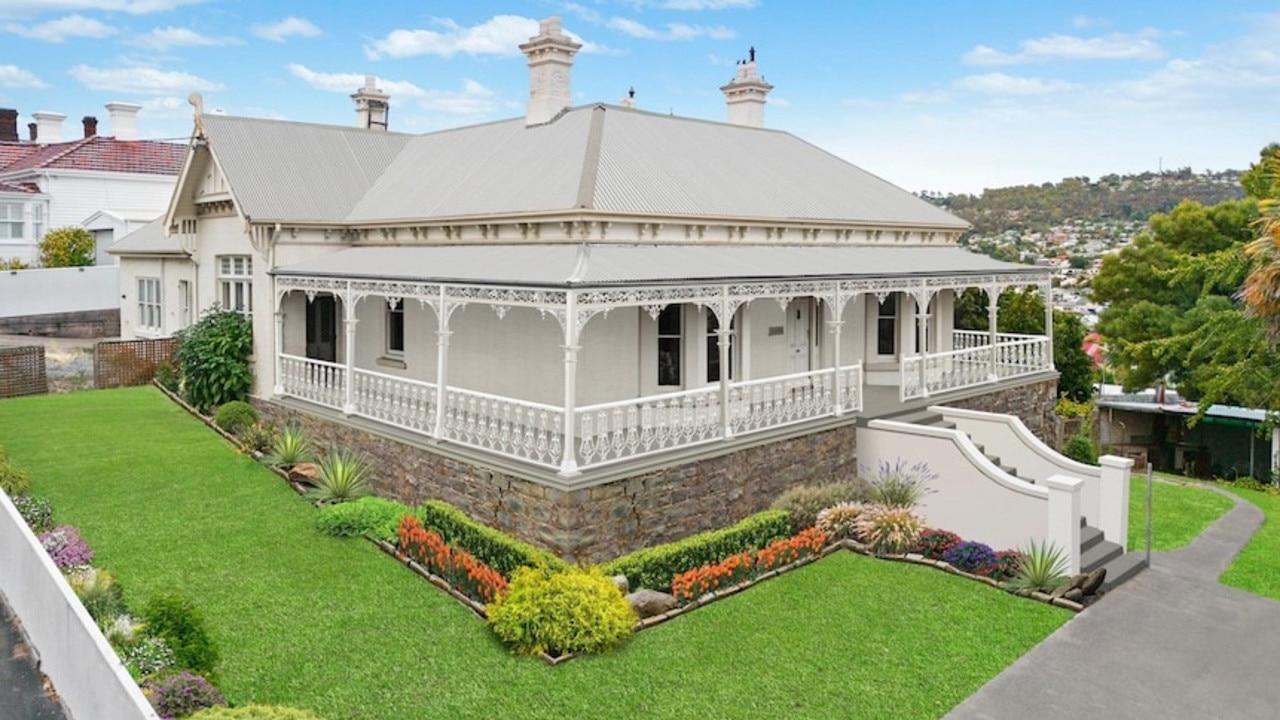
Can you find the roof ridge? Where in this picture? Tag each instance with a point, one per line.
(591, 159)
(72, 146)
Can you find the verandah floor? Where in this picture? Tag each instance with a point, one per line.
(337, 627)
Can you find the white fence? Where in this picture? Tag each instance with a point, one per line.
(86, 672)
(46, 291)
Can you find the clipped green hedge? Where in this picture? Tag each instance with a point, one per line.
(653, 567)
(373, 516)
(489, 545)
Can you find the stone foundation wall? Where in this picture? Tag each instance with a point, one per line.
(1032, 403)
(602, 522)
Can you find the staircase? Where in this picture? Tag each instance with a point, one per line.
(1095, 550)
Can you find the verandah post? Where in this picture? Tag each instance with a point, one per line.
(442, 362)
(993, 315)
(349, 324)
(569, 465)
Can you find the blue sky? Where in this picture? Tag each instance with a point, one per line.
(940, 96)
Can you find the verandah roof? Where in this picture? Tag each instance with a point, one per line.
(567, 265)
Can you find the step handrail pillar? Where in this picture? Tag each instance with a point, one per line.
(1114, 499)
(1064, 517)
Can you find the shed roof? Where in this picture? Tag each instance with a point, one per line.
(147, 240)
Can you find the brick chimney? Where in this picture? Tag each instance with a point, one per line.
(90, 125)
(746, 93)
(124, 120)
(8, 125)
(372, 105)
(49, 125)
(33, 131)
(550, 54)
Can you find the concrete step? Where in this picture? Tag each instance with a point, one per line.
(1089, 536)
(1123, 568)
(1099, 555)
(921, 417)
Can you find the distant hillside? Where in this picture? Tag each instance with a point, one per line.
(1114, 197)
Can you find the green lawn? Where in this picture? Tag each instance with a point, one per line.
(1255, 569)
(337, 627)
(1180, 511)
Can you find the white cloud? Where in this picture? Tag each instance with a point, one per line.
(25, 8)
(170, 37)
(12, 76)
(583, 13)
(140, 80)
(285, 29)
(1002, 84)
(500, 35)
(55, 31)
(673, 31)
(472, 99)
(708, 4)
(1117, 46)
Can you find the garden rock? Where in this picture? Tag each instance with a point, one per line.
(305, 472)
(648, 603)
(1074, 594)
(620, 582)
(1094, 581)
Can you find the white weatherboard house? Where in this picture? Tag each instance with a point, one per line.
(595, 326)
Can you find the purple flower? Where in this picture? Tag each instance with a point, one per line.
(66, 547)
(180, 695)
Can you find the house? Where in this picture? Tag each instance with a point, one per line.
(594, 326)
(108, 184)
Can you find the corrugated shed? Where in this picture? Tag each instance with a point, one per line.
(299, 171)
(556, 265)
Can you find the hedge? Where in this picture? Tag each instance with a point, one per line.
(654, 567)
(489, 545)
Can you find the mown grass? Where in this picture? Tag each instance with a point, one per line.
(337, 627)
(1255, 569)
(1180, 511)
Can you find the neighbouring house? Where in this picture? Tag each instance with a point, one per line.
(594, 326)
(109, 185)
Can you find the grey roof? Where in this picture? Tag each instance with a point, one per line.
(598, 158)
(147, 240)
(299, 171)
(591, 265)
(1174, 405)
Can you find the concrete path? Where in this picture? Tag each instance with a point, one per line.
(1171, 643)
(22, 695)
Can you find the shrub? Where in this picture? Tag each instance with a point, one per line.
(971, 557)
(181, 694)
(803, 503)
(13, 481)
(146, 657)
(66, 547)
(36, 511)
(900, 484)
(168, 376)
(459, 568)
(234, 416)
(372, 516)
(1068, 408)
(934, 543)
(14, 263)
(1079, 447)
(291, 447)
(889, 530)
(490, 545)
(258, 437)
(99, 592)
(176, 619)
(254, 712)
(840, 521)
(67, 247)
(343, 477)
(654, 567)
(122, 631)
(734, 569)
(214, 357)
(1006, 566)
(1041, 566)
(573, 610)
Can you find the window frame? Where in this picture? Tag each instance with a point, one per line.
(712, 345)
(394, 317)
(887, 332)
(235, 283)
(150, 305)
(10, 222)
(673, 340)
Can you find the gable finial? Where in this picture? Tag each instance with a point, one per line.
(197, 102)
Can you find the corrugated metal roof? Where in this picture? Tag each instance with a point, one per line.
(299, 171)
(556, 265)
(147, 240)
(1135, 403)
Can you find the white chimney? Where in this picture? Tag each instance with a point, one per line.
(550, 54)
(746, 93)
(630, 100)
(48, 126)
(371, 105)
(124, 120)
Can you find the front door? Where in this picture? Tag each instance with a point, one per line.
(799, 344)
(322, 328)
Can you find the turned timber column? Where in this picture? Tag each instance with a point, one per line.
(724, 343)
(922, 338)
(833, 328)
(569, 465)
(278, 390)
(349, 324)
(442, 363)
(1046, 292)
(993, 315)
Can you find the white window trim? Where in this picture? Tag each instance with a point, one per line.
(150, 305)
(391, 311)
(235, 272)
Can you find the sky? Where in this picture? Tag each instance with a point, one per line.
(942, 96)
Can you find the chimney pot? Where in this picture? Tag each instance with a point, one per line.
(90, 126)
(124, 120)
(372, 105)
(33, 131)
(49, 125)
(8, 125)
(746, 94)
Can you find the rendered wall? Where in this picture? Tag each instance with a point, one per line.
(45, 291)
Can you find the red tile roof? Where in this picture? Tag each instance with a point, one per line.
(103, 154)
(26, 188)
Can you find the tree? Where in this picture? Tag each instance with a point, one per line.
(67, 247)
(1075, 367)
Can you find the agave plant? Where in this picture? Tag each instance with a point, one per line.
(343, 476)
(291, 448)
(1043, 567)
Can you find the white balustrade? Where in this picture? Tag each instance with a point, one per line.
(395, 400)
(850, 399)
(631, 428)
(924, 375)
(316, 381)
(515, 428)
(770, 402)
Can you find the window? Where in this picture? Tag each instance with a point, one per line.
(235, 283)
(887, 326)
(713, 348)
(395, 329)
(37, 221)
(184, 303)
(149, 317)
(11, 221)
(670, 334)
